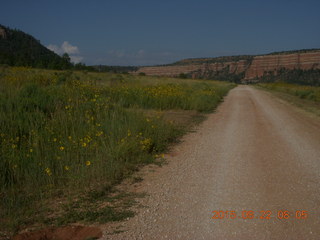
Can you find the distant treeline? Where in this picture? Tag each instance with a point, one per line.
(303, 77)
(222, 75)
(192, 61)
(295, 51)
(115, 69)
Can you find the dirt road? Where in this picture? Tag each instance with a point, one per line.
(256, 153)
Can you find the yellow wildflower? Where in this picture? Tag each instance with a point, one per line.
(61, 148)
(146, 144)
(88, 163)
(48, 171)
(98, 134)
(84, 144)
(66, 168)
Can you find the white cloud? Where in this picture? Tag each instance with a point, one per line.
(66, 47)
(55, 49)
(76, 59)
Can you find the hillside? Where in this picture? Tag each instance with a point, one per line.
(246, 68)
(20, 49)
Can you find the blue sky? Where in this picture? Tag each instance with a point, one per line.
(141, 32)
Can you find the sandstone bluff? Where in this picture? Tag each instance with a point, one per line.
(248, 67)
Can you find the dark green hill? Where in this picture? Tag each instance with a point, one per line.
(20, 49)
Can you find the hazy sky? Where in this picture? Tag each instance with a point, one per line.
(147, 32)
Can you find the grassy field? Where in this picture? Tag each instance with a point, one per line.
(70, 134)
(303, 92)
(306, 97)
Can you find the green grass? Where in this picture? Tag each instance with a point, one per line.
(304, 97)
(303, 92)
(65, 133)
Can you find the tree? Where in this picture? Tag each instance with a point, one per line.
(66, 57)
(66, 64)
(183, 75)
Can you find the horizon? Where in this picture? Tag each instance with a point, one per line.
(143, 33)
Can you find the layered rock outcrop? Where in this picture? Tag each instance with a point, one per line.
(251, 68)
(271, 63)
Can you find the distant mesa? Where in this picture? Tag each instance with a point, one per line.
(245, 68)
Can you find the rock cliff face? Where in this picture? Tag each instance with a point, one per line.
(250, 68)
(212, 69)
(271, 63)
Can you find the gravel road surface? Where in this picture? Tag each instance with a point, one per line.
(256, 153)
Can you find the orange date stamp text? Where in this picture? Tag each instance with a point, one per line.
(265, 214)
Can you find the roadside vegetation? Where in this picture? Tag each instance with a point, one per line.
(306, 97)
(309, 77)
(72, 136)
(303, 92)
